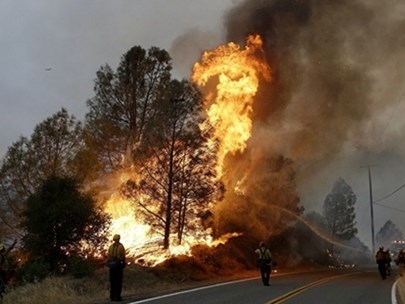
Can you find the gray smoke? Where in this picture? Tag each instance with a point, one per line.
(335, 102)
(333, 62)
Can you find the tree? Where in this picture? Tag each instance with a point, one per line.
(388, 233)
(124, 102)
(177, 166)
(59, 219)
(52, 149)
(339, 211)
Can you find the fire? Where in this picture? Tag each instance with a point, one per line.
(230, 104)
(140, 240)
(229, 109)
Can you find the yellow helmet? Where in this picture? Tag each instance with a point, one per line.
(116, 237)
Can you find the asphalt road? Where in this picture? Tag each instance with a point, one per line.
(354, 286)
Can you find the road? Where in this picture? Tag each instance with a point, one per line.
(354, 286)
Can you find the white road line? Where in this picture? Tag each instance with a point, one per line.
(191, 290)
(394, 293)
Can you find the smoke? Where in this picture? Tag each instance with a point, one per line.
(187, 49)
(334, 102)
(329, 60)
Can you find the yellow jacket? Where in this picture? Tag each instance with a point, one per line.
(116, 252)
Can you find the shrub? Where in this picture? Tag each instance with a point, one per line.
(33, 271)
(79, 267)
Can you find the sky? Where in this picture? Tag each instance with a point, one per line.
(51, 50)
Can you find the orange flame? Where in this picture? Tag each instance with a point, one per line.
(230, 104)
(229, 111)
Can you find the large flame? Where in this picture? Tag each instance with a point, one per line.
(230, 104)
(229, 108)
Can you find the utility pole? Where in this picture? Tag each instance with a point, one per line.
(371, 208)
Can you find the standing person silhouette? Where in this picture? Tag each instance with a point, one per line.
(264, 256)
(400, 261)
(381, 262)
(116, 264)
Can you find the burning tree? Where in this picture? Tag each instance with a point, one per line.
(123, 104)
(143, 130)
(176, 160)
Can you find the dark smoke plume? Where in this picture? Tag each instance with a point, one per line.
(338, 80)
(325, 56)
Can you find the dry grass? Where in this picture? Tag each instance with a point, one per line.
(51, 290)
(139, 282)
(207, 266)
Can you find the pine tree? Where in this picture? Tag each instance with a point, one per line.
(339, 211)
(388, 233)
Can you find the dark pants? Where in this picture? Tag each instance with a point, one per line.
(265, 271)
(382, 270)
(116, 274)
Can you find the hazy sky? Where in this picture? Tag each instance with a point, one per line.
(74, 38)
(51, 49)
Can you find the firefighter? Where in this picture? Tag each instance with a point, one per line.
(388, 259)
(380, 260)
(116, 264)
(264, 255)
(400, 261)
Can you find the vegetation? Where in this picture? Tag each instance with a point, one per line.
(61, 222)
(124, 103)
(339, 211)
(140, 118)
(52, 149)
(206, 266)
(179, 174)
(233, 260)
(388, 233)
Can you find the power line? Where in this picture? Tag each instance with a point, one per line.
(388, 207)
(390, 194)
